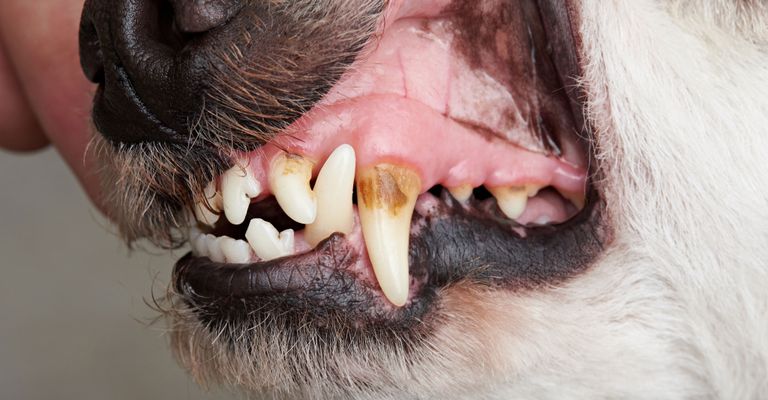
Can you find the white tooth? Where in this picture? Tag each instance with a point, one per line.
(289, 178)
(209, 214)
(238, 187)
(235, 251)
(199, 246)
(333, 189)
(214, 249)
(386, 196)
(461, 193)
(266, 242)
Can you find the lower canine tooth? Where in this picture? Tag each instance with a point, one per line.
(238, 187)
(266, 242)
(333, 189)
(289, 177)
(511, 200)
(235, 251)
(209, 214)
(386, 196)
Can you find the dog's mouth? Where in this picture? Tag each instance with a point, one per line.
(448, 152)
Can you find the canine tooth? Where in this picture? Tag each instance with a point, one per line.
(238, 187)
(214, 249)
(333, 189)
(511, 199)
(461, 193)
(235, 251)
(209, 214)
(289, 178)
(266, 242)
(386, 196)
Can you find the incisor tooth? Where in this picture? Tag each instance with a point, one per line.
(511, 199)
(386, 196)
(209, 214)
(266, 242)
(235, 251)
(238, 187)
(461, 193)
(289, 178)
(333, 189)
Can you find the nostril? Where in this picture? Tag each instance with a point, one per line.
(91, 57)
(196, 16)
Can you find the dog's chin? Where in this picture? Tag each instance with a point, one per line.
(461, 207)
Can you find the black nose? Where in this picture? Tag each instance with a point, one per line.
(151, 59)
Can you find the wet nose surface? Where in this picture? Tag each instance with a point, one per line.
(151, 72)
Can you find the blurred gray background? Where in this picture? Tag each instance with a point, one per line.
(73, 322)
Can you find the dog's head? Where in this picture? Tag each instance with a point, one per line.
(409, 198)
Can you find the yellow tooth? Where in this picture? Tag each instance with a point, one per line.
(333, 189)
(289, 178)
(461, 193)
(577, 199)
(386, 197)
(511, 199)
(209, 214)
(238, 187)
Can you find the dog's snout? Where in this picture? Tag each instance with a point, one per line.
(152, 60)
(195, 16)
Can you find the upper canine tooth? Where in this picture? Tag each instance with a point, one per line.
(289, 177)
(266, 242)
(386, 197)
(209, 213)
(333, 189)
(511, 199)
(238, 187)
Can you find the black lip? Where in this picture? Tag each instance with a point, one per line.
(453, 244)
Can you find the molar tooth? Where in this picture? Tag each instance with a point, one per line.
(209, 214)
(235, 251)
(238, 187)
(333, 189)
(214, 248)
(386, 196)
(289, 178)
(511, 199)
(266, 242)
(461, 193)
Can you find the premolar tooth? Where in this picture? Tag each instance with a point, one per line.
(511, 199)
(214, 248)
(333, 189)
(461, 193)
(238, 187)
(289, 178)
(266, 242)
(386, 196)
(209, 214)
(200, 246)
(235, 251)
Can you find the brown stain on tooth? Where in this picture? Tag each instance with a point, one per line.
(387, 186)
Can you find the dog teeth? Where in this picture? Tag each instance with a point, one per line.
(461, 193)
(215, 252)
(235, 251)
(333, 189)
(386, 196)
(238, 187)
(266, 242)
(289, 178)
(209, 214)
(511, 200)
(199, 245)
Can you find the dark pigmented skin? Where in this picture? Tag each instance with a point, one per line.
(195, 16)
